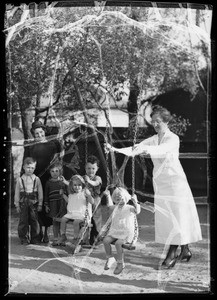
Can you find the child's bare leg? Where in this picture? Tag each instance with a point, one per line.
(119, 249)
(63, 238)
(56, 229)
(98, 218)
(76, 225)
(107, 245)
(56, 233)
(120, 257)
(64, 221)
(108, 250)
(46, 238)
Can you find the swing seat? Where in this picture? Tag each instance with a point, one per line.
(86, 234)
(86, 246)
(127, 246)
(81, 225)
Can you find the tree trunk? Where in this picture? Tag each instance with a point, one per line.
(132, 105)
(23, 118)
(197, 17)
(80, 99)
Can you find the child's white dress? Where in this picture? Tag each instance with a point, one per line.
(77, 205)
(123, 224)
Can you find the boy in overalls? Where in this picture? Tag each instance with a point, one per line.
(28, 201)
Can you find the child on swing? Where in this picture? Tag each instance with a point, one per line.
(79, 207)
(122, 227)
(55, 204)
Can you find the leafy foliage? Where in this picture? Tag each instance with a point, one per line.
(116, 45)
(179, 125)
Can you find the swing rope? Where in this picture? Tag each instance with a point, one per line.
(86, 224)
(106, 227)
(86, 145)
(131, 246)
(84, 227)
(107, 113)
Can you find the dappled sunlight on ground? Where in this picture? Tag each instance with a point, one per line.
(46, 269)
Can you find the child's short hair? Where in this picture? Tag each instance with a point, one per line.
(29, 161)
(93, 159)
(123, 191)
(74, 178)
(56, 164)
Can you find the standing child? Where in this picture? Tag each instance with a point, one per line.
(55, 204)
(122, 227)
(79, 207)
(28, 200)
(94, 183)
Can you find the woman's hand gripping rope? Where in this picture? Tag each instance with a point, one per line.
(108, 148)
(136, 204)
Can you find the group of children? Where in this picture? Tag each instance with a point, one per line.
(77, 200)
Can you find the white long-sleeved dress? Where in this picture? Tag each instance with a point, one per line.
(176, 217)
(124, 224)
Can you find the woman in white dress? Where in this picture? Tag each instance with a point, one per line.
(176, 217)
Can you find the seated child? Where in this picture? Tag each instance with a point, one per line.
(122, 227)
(79, 207)
(28, 200)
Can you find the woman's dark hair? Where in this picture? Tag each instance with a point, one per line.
(35, 125)
(163, 112)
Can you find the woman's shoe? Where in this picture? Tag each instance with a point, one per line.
(185, 255)
(171, 264)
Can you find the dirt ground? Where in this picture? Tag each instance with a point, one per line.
(43, 269)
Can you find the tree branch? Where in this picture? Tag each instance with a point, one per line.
(80, 100)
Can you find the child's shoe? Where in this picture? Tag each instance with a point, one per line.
(119, 268)
(99, 240)
(109, 263)
(86, 245)
(45, 239)
(35, 242)
(62, 240)
(24, 242)
(75, 240)
(55, 242)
